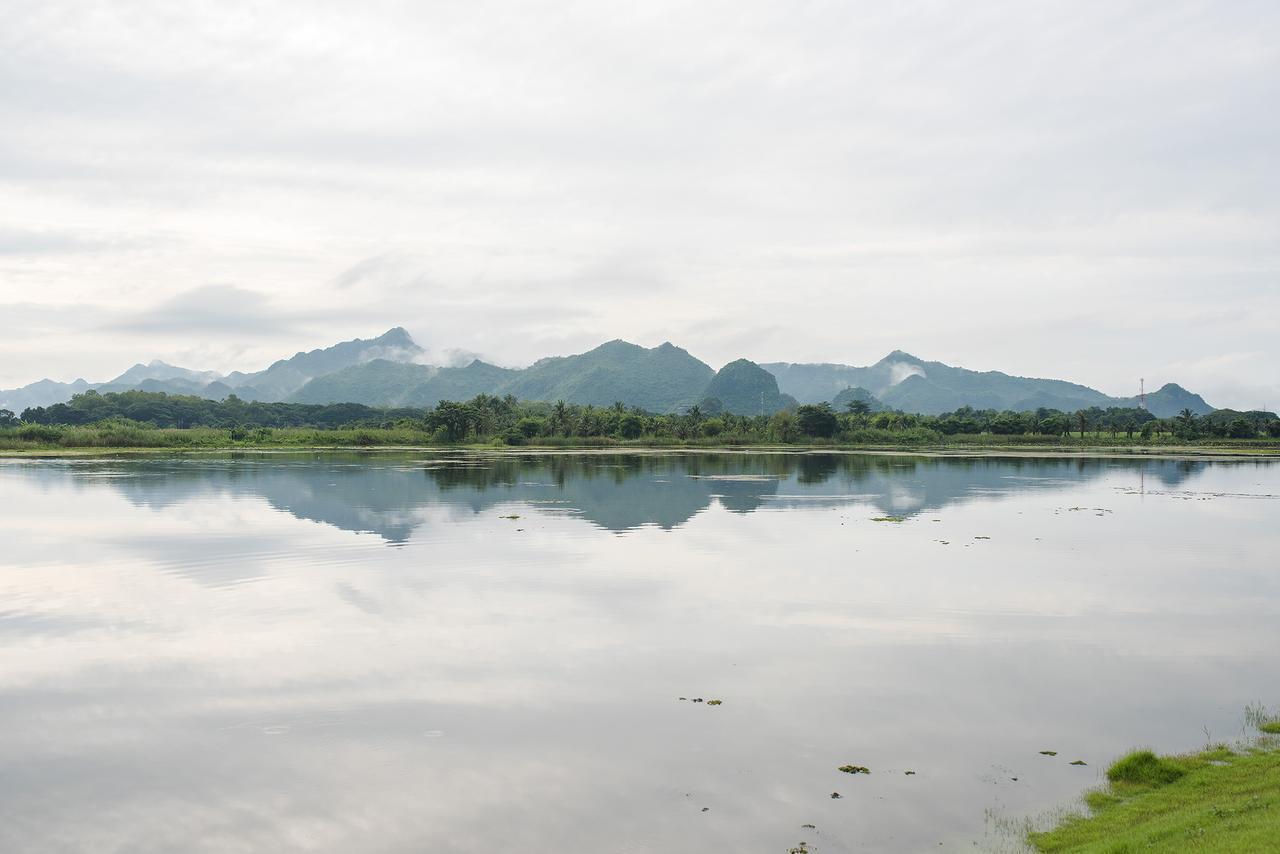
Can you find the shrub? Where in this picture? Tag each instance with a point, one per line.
(1144, 768)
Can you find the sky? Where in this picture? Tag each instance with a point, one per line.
(1081, 190)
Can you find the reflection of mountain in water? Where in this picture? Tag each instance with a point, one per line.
(387, 494)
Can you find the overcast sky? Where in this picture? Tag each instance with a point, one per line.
(1080, 190)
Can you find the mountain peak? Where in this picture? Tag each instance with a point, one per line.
(901, 356)
(396, 336)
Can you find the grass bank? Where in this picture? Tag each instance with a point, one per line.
(57, 439)
(1219, 800)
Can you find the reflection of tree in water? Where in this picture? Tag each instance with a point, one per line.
(389, 494)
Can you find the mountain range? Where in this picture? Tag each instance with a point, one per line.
(389, 371)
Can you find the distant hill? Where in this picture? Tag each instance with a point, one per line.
(286, 376)
(379, 382)
(158, 370)
(40, 393)
(903, 381)
(661, 379)
(744, 388)
(1169, 400)
(387, 371)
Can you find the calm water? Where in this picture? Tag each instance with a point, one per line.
(404, 652)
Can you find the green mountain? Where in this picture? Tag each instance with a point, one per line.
(662, 379)
(384, 371)
(744, 388)
(840, 403)
(460, 384)
(1169, 400)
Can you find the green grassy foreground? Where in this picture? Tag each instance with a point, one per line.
(1219, 800)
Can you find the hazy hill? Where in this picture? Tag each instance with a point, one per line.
(379, 382)
(661, 379)
(744, 388)
(40, 393)
(158, 370)
(288, 375)
(903, 381)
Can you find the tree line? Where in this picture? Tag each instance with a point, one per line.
(515, 422)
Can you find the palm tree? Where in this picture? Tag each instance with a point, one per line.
(560, 416)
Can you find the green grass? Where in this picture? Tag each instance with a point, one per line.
(1217, 800)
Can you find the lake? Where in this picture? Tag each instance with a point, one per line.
(415, 651)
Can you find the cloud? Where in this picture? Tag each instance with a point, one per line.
(899, 371)
(213, 309)
(847, 180)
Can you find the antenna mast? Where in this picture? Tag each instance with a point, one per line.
(1142, 393)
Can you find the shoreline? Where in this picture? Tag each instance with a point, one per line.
(1221, 798)
(1118, 451)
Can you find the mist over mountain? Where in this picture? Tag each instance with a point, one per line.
(388, 371)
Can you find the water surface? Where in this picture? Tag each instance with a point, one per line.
(413, 651)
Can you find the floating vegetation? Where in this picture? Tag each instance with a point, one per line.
(909, 773)
(982, 538)
(714, 702)
(808, 827)
(1079, 762)
(1042, 753)
(802, 848)
(835, 796)
(854, 769)
(512, 516)
(889, 519)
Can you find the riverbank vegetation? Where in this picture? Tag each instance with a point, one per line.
(1219, 800)
(156, 420)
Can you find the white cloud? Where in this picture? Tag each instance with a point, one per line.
(1080, 190)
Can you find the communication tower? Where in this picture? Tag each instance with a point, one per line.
(1142, 393)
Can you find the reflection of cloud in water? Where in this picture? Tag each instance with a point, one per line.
(484, 690)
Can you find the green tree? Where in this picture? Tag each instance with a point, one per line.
(1240, 428)
(630, 426)
(817, 420)
(1184, 425)
(782, 427)
(453, 418)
